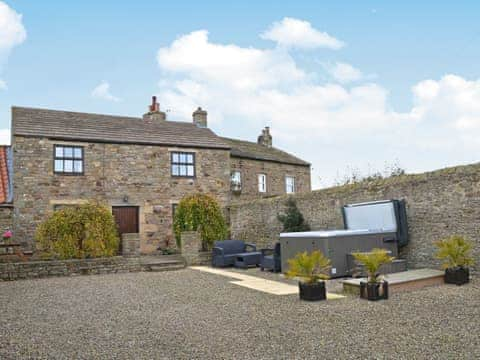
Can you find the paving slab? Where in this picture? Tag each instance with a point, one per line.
(259, 283)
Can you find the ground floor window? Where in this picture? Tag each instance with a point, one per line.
(174, 210)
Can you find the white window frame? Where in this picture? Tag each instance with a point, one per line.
(262, 183)
(290, 188)
(236, 180)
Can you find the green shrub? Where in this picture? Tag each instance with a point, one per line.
(455, 251)
(82, 231)
(201, 213)
(310, 267)
(293, 220)
(372, 262)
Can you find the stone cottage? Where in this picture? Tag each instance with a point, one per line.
(141, 167)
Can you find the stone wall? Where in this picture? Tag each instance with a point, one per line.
(275, 172)
(439, 204)
(117, 174)
(6, 218)
(39, 269)
(191, 249)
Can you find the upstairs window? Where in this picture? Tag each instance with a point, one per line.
(183, 164)
(262, 183)
(68, 160)
(236, 181)
(289, 184)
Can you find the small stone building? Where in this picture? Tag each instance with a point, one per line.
(141, 167)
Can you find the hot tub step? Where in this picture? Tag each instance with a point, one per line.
(401, 281)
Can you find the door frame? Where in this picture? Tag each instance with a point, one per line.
(130, 206)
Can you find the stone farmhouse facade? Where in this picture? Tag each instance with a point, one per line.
(141, 167)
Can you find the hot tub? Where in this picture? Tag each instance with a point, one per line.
(380, 224)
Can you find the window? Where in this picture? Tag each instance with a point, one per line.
(236, 181)
(289, 184)
(262, 183)
(68, 160)
(183, 164)
(174, 210)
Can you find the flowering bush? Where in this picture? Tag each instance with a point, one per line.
(7, 235)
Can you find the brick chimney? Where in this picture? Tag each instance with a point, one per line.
(265, 138)
(200, 118)
(154, 114)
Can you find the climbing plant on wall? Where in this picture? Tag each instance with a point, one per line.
(200, 212)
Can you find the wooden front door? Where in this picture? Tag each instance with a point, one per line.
(126, 218)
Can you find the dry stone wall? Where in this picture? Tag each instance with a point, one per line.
(439, 204)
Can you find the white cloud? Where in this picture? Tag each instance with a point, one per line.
(102, 91)
(4, 136)
(328, 124)
(297, 33)
(12, 32)
(228, 65)
(452, 101)
(345, 73)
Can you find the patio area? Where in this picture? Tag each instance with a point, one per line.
(196, 314)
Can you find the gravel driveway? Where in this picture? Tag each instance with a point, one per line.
(189, 314)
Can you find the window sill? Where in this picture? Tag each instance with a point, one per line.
(68, 174)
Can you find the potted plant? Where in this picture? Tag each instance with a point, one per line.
(455, 251)
(375, 288)
(312, 269)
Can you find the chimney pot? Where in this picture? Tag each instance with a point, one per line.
(154, 114)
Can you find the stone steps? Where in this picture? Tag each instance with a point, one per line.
(162, 263)
(165, 267)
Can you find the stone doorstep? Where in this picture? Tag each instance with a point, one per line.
(162, 263)
(401, 281)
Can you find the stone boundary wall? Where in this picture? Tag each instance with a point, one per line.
(439, 204)
(41, 269)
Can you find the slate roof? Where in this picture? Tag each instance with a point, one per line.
(251, 150)
(67, 125)
(111, 129)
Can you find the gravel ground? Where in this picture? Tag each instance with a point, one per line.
(190, 314)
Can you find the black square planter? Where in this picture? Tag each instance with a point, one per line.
(457, 275)
(374, 291)
(312, 292)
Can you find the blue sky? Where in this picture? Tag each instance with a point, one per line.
(343, 84)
